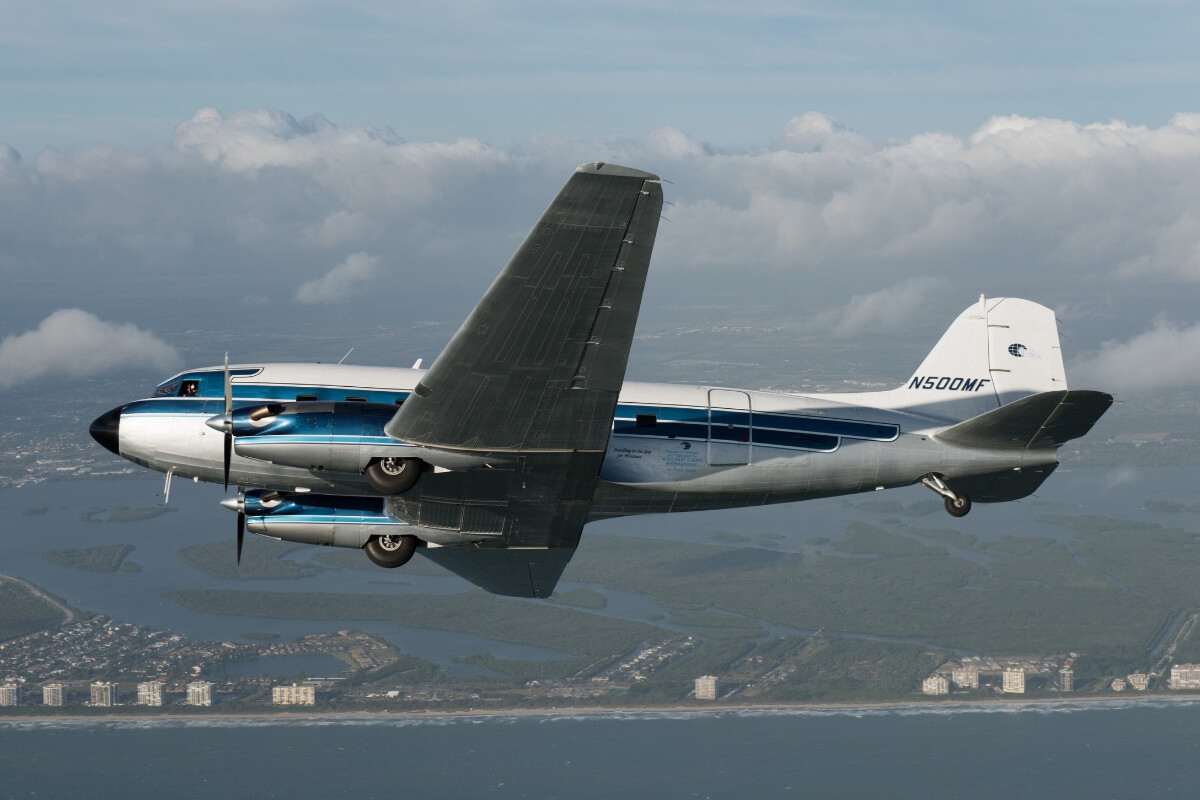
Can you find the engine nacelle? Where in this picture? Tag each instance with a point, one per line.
(338, 521)
(338, 437)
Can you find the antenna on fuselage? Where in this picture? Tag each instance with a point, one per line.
(417, 363)
(348, 352)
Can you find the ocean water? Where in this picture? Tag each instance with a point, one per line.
(1134, 749)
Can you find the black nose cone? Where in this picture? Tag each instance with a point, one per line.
(107, 430)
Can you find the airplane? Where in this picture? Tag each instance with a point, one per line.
(523, 430)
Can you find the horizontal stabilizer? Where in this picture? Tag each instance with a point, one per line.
(1041, 420)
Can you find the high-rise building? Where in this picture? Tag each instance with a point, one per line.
(10, 694)
(1185, 676)
(965, 677)
(104, 693)
(199, 693)
(1118, 684)
(1066, 679)
(1014, 681)
(936, 684)
(294, 695)
(53, 694)
(706, 687)
(150, 693)
(1139, 681)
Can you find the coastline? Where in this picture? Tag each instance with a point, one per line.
(847, 708)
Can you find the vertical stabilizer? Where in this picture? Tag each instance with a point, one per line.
(998, 350)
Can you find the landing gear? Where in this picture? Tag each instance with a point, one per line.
(957, 503)
(391, 551)
(393, 475)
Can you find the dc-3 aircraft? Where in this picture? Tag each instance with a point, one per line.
(523, 430)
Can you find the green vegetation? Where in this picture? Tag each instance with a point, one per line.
(131, 566)
(1039, 598)
(854, 669)
(1170, 507)
(587, 637)
(105, 558)
(672, 684)
(262, 559)
(24, 612)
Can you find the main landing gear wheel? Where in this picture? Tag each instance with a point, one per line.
(393, 475)
(960, 507)
(391, 551)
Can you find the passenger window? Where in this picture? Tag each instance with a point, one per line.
(306, 398)
(647, 420)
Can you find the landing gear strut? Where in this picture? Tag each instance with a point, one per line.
(957, 503)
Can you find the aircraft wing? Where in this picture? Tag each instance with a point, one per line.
(530, 383)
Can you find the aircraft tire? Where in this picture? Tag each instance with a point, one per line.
(391, 551)
(393, 475)
(957, 510)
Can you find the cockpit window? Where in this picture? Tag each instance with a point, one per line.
(189, 389)
(167, 389)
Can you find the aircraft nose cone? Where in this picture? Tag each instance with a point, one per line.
(107, 429)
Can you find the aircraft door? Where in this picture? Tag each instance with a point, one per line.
(730, 428)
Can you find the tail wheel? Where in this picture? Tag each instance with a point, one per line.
(393, 475)
(391, 551)
(958, 506)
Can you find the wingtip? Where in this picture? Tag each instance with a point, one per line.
(604, 168)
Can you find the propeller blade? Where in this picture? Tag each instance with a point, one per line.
(228, 455)
(241, 534)
(228, 387)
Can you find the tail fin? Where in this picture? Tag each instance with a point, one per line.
(997, 351)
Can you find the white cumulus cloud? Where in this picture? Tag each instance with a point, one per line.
(76, 343)
(880, 311)
(1166, 355)
(342, 281)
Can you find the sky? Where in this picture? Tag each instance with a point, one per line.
(852, 170)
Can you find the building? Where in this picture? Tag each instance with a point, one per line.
(965, 677)
(294, 695)
(150, 693)
(1066, 679)
(1118, 684)
(936, 684)
(1139, 681)
(104, 693)
(1185, 676)
(10, 694)
(199, 693)
(706, 687)
(1014, 681)
(53, 694)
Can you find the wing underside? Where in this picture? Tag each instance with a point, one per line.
(529, 383)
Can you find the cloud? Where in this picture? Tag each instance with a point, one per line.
(1098, 216)
(75, 343)
(342, 281)
(881, 311)
(1164, 356)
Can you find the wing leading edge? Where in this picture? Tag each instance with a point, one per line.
(530, 381)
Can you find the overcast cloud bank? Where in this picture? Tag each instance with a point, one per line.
(858, 236)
